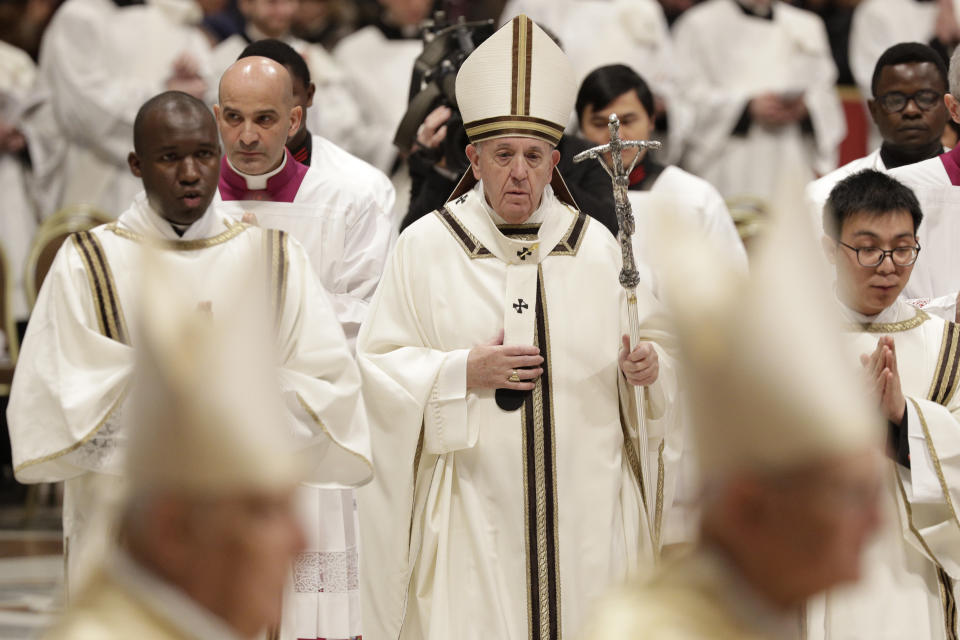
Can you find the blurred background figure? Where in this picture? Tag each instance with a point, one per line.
(324, 22)
(334, 114)
(595, 33)
(19, 220)
(378, 60)
(757, 86)
(206, 527)
(788, 449)
(99, 61)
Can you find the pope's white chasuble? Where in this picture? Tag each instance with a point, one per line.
(908, 586)
(486, 521)
(70, 386)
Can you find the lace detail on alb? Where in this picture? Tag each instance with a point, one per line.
(326, 571)
(104, 451)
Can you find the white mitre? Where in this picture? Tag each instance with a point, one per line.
(208, 416)
(539, 97)
(769, 380)
(517, 83)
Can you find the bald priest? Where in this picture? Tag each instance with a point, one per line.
(504, 435)
(71, 385)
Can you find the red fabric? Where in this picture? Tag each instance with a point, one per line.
(951, 163)
(638, 174)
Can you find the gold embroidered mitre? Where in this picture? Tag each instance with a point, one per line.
(539, 97)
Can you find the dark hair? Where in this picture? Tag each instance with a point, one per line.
(905, 53)
(282, 53)
(606, 84)
(868, 191)
(169, 100)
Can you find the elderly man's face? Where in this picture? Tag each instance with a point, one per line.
(243, 547)
(514, 172)
(812, 526)
(179, 163)
(254, 123)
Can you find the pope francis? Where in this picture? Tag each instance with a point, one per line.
(507, 493)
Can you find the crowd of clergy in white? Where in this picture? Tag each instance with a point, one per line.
(272, 415)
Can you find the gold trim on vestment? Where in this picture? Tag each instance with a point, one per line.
(569, 244)
(103, 287)
(537, 426)
(658, 516)
(891, 327)
(278, 259)
(233, 230)
(944, 605)
(946, 378)
(547, 132)
(75, 445)
(316, 419)
(936, 461)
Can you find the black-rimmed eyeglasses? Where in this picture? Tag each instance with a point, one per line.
(896, 101)
(874, 256)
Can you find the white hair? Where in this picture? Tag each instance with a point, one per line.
(954, 74)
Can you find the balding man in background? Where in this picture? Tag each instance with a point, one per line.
(347, 234)
(70, 389)
(257, 113)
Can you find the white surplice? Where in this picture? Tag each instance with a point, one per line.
(679, 193)
(937, 270)
(724, 58)
(334, 114)
(19, 220)
(379, 71)
(342, 216)
(71, 383)
(819, 190)
(916, 553)
(98, 64)
(478, 514)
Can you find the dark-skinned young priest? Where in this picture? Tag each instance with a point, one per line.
(70, 389)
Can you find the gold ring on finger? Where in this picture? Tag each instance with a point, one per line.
(514, 377)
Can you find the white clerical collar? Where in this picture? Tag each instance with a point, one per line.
(163, 598)
(258, 183)
(535, 218)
